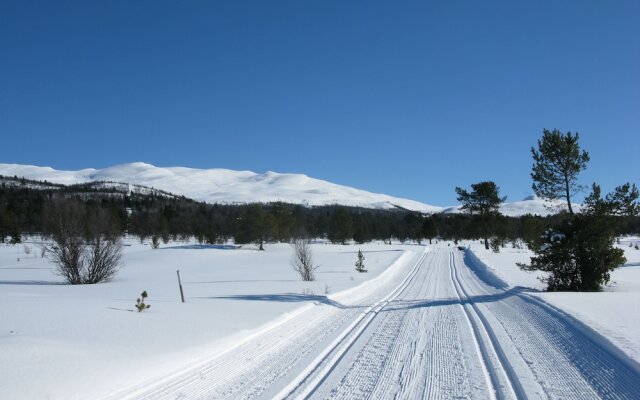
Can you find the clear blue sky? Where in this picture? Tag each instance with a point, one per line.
(408, 98)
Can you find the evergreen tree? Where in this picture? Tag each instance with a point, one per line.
(484, 203)
(429, 229)
(253, 226)
(557, 163)
(413, 223)
(579, 254)
(341, 227)
(283, 221)
(360, 262)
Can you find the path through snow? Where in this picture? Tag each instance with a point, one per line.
(433, 327)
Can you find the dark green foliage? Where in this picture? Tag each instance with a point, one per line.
(530, 229)
(429, 229)
(579, 253)
(621, 202)
(557, 163)
(341, 227)
(483, 202)
(360, 262)
(140, 305)
(16, 237)
(413, 223)
(254, 226)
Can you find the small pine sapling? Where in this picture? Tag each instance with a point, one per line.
(360, 262)
(140, 302)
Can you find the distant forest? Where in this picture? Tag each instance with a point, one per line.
(32, 208)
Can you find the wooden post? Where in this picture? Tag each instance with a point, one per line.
(180, 284)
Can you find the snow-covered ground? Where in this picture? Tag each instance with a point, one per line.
(63, 342)
(612, 312)
(422, 323)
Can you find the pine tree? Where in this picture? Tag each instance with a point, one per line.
(360, 262)
(579, 254)
(429, 229)
(341, 226)
(484, 202)
(557, 163)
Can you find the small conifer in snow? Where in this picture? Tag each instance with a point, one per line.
(140, 302)
(360, 262)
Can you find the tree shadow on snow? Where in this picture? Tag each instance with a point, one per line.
(284, 298)
(203, 247)
(244, 281)
(30, 283)
(409, 305)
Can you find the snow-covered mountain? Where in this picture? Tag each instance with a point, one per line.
(529, 205)
(228, 186)
(223, 185)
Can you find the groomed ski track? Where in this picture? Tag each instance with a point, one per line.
(436, 325)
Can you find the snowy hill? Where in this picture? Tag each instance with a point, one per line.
(529, 205)
(223, 185)
(228, 186)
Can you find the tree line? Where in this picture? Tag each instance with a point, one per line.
(28, 209)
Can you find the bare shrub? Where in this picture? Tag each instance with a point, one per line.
(83, 246)
(104, 256)
(302, 260)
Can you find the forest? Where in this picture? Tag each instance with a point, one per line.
(30, 208)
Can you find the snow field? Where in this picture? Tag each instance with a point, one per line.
(62, 341)
(438, 324)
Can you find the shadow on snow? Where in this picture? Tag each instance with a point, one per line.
(284, 298)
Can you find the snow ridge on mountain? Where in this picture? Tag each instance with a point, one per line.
(224, 186)
(231, 187)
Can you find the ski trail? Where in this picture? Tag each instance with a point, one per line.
(256, 368)
(412, 351)
(433, 328)
(562, 361)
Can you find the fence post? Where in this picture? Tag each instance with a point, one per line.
(180, 284)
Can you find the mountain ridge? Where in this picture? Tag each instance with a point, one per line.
(218, 185)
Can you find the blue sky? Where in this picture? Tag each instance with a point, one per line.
(407, 98)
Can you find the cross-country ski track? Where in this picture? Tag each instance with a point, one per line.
(435, 325)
